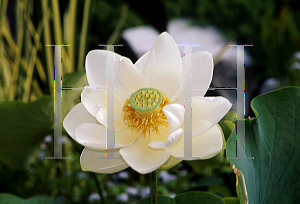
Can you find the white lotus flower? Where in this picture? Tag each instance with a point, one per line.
(148, 110)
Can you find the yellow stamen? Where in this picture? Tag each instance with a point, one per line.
(145, 117)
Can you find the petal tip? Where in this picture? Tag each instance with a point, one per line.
(165, 33)
(165, 36)
(156, 145)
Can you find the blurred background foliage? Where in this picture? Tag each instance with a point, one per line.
(26, 74)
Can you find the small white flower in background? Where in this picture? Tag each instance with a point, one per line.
(297, 55)
(94, 197)
(145, 192)
(165, 177)
(123, 175)
(48, 139)
(296, 65)
(132, 191)
(123, 197)
(41, 155)
(183, 172)
(141, 39)
(82, 175)
(172, 195)
(269, 85)
(148, 110)
(110, 183)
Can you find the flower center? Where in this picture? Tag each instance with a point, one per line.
(146, 101)
(143, 110)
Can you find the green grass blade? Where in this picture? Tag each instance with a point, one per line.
(84, 28)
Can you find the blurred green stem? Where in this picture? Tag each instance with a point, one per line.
(48, 50)
(3, 5)
(35, 84)
(18, 50)
(153, 186)
(72, 23)
(84, 27)
(99, 187)
(31, 65)
(56, 21)
(116, 33)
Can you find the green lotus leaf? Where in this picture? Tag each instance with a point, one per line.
(273, 139)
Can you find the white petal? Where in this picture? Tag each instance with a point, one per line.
(208, 111)
(91, 98)
(93, 136)
(179, 95)
(76, 117)
(119, 123)
(142, 158)
(171, 140)
(175, 115)
(94, 101)
(205, 145)
(170, 163)
(161, 136)
(202, 71)
(95, 64)
(125, 137)
(90, 160)
(164, 70)
(101, 115)
(129, 75)
(142, 62)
